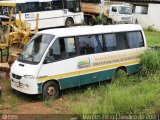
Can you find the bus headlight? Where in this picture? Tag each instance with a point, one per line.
(28, 76)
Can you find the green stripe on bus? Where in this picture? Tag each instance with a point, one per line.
(89, 78)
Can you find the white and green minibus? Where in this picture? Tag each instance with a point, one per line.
(61, 58)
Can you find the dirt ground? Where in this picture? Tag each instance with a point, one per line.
(19, 103)
(16, 102)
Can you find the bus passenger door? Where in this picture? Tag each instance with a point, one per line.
(61, 63)
(90, 47)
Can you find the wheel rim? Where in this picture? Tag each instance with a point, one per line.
(51, 91)
(69, 23)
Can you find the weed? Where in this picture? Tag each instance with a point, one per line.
(14, 102)
(150, 28)
(150, 62)
(1, 102)
(101, 20)
(48, 103)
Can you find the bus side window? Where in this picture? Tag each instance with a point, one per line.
(111, 42)
(56, 5)
(28, 7)
(97, 43)
(62, 48)
(121, 41)
(135, 39)
(86, 45)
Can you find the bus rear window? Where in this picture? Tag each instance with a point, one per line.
(135, 39)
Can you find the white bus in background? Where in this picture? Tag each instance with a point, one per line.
(52, 13)
(62, 58)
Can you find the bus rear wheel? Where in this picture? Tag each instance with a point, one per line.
(120, 74)
(50, 90)
(69, 22)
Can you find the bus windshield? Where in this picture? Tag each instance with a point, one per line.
(33, 52)
(124, 10)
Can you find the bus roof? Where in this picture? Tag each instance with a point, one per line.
(89, 30)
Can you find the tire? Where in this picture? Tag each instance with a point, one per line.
(91, 21)
(69, 22)
(109, 22)
(120, 74)
(50, 90)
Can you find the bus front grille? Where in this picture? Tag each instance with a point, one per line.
(16, 76)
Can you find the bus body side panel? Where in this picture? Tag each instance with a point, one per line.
(90, 68)
(47, 19)
(133, 68)
(64, 71)
(90, 73)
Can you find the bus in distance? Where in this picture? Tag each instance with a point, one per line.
(52, 13)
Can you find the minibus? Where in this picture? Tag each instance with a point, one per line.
(61, 58)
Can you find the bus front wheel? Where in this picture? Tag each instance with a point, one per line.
(109, 21)
(50, 90)
(69, 22)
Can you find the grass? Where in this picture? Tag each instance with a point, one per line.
(9, 100)
(150, 62)
(137, 94)
(153, 38)
(48, 103)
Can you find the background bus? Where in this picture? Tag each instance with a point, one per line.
(52, 13)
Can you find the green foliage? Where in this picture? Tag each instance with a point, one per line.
(150, 28)
(153, 38)
(101, 20)
(1, 101)
(150, 62)
(120, 77)
(14, 101)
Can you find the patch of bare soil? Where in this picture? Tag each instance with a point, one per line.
(14, 102)
(19, 103)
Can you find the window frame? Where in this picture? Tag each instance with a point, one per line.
(38, 9)
(113, 8)
(103, 47)
(76, 53)
(123, 32)
(139, 5)
(126, 40)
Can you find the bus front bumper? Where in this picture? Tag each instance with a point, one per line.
(28, 86)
